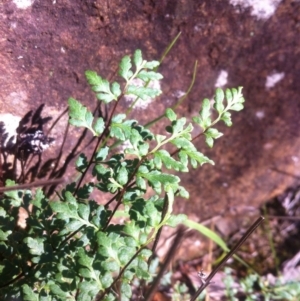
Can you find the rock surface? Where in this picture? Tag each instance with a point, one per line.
(47, 45)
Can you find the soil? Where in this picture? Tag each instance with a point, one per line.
(46, 48)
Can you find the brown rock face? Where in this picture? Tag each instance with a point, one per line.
(47, 46)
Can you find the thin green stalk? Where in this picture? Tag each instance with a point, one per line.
(182, 98)
(165, 53)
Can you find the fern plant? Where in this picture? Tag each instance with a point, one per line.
(72, 247)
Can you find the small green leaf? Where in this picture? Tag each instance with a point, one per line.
(203, 124)
(106, 280)
(102, 88)
(37, 201)
(114, 185)
(88, 290)
(145, 253)
(145, 133)
(135, 138)
(2, 212)
(129, 275)
(59, 207)
(196, 157)
(152, 214)
(29, 294)
(210, 135)
(175, 220)
(57, 291)
(209, 141)
(103, 240)
(183, 192)
(81, 162)
(183, 157)
(99, 126)
(170, 114)
(132, 229)
(205, 109)
(71, 199)
(178, 125)
(117, 132)
(126, 292)
(79, 115)
(84, 259)
(229, 96)
(122, 177)
(106, 97)
(142, 92)
(74, 225)
(237, 107)
(141, 183)
(234, 93)
(125, 67)
(181, 142)
(98, 83)
(125, 254)
(115, 89)
(138, 59)
(121, 131)
(226, 117)
(214, 133)
(99, 216)
(157, 161)
(118, 118)
(86, 273)
(169, 162)
(205, 113)
(143, 149)
(219, 97)
(151, 65)
(102, 153)
(36, 246)
(84, 211)
(15, 196)
(93, 78)
(142, 269)
(4, 235)
(149, 75)
(110, 266)
(157, 178)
